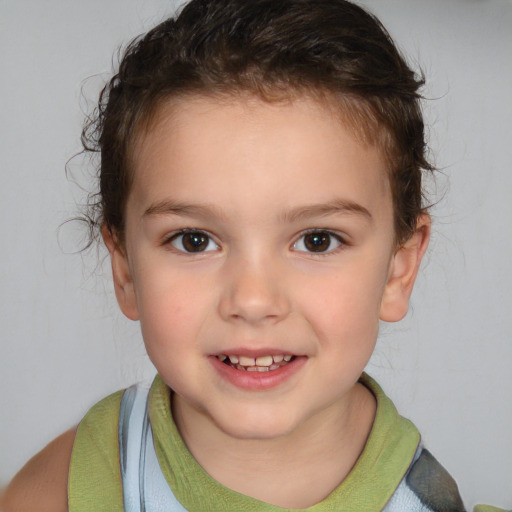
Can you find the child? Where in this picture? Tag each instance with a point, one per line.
(261, 201)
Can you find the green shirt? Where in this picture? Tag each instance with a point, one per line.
(95, 477)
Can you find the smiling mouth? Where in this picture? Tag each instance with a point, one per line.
(256, 364)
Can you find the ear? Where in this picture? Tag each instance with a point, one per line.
(123, 283)
(403, 270)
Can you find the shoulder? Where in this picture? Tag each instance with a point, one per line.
(427, 487)
(94, 481)
(97, 436)
(42, 483)
(433, 485)
(67, 463)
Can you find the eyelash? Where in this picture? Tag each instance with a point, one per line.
(176, 236)
(209, 239)
(332, 236)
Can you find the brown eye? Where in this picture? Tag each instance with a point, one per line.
(317, 241)
(193, 241)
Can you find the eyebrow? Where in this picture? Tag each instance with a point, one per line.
(170, 207)
(334, 207)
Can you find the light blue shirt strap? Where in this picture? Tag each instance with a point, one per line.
(145, 488)
(131, 418)
(158, 496)
(404, 499)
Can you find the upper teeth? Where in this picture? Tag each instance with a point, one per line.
(255, 361)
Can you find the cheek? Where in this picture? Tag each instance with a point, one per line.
(171, 321)
(345, 305)
(171, 310)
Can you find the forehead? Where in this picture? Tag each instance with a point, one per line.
(295, 151)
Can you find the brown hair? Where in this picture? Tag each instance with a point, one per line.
(274, 49)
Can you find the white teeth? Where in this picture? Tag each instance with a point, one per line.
(264, 361)
(257, 368)
(246, 361)
(258, 364)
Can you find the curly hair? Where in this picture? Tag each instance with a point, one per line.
(274, 49)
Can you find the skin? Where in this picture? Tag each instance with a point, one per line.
(254, 178)
(42, 483)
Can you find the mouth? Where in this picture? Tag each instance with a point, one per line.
(265, 363)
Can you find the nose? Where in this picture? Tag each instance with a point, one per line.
(254, 292)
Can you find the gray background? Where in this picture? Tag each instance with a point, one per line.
(64, 345)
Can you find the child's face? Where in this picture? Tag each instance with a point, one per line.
(257, 230)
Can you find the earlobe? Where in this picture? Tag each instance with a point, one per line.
(403, 271)
(123, 282)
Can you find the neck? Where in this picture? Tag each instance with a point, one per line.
(321, 452)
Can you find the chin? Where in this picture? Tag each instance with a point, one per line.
(257, 428)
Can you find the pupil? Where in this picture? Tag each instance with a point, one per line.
(318, 242)
(195, 242)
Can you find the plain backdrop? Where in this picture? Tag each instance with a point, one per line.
(64, 345)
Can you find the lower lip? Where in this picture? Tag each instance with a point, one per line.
(258, 381)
